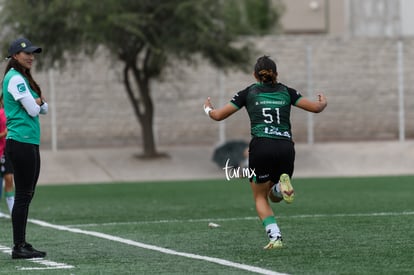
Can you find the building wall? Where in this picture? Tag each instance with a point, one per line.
(305, 16)
(366, 18)
(358, 75)
(407, 22)
(354, 61)
(375, 18)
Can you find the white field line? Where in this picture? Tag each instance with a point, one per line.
(47, 264)
(247, 218)
(153, 247)
(195, 256)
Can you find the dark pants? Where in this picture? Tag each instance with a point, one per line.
(25, 159)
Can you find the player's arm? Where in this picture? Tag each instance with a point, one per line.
(221, 113)
(316, 106)
(20, 91)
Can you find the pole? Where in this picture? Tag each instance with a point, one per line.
(310, 92)
(401, 110)
(53, 109)
(222, 124)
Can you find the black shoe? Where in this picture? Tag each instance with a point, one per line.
(26, 251)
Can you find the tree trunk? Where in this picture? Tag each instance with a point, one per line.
(147, 129)
(143, 109)
(146, 119)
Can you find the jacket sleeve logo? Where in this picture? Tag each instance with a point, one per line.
(21, 87)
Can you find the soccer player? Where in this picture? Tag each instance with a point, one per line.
(271, 149)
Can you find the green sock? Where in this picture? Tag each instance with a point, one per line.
(269, 220)
(9, 194)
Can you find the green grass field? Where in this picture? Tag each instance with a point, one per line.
(334, 226)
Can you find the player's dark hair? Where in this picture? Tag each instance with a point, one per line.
(265, 70)
(13, 63)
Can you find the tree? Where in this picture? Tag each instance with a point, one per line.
(145, 35)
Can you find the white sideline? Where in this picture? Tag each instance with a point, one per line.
(153, 247)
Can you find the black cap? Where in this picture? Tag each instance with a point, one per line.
(23, 45)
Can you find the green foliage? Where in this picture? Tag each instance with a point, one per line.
(144, 35)
(177, 28)
(248, 17)
(51, 24)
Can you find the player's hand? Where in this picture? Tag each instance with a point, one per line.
(38, 101)
(321, 98)
(208, 106)
(207, 103)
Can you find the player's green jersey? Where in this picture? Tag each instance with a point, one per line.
(268, 107)
(20, 125)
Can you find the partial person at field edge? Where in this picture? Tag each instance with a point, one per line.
(6, 170)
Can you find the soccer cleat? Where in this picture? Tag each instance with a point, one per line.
(286, 188)
(275, 244)
(26, 251)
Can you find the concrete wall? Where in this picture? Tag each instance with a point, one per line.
(359, 77)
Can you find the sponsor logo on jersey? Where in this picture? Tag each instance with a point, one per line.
(21, 87)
